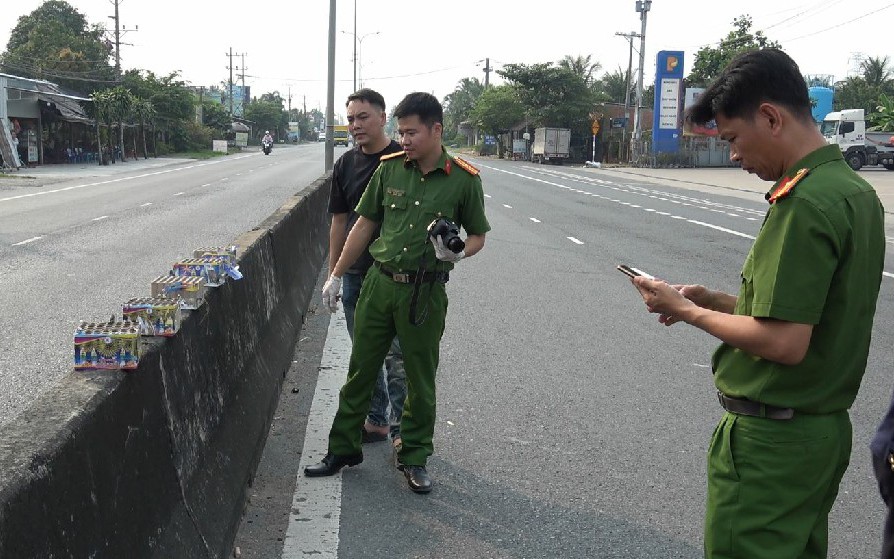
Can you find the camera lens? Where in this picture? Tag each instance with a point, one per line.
(455, 244)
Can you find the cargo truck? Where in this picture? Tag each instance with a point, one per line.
(551, 144)
(847, 130)
(340, 135)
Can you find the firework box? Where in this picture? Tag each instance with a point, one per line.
(227, 253)
(212, 268)
(157, 316)
(190, 290)
(107, 345)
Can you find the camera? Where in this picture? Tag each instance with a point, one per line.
(449, 233)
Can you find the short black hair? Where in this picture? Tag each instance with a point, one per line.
(751, 78)
(424, 105)
(369, 95)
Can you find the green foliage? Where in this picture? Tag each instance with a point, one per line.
(191, 136)
(709, 61)
(497, 110)
(459, 104)
(582, 66)
(552, 95)
(55, 43)
(614, 85)
(215, 117)
(267, 115)
(883, 117)
(866, 91)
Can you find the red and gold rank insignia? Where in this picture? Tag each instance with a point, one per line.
(465, 166)
(786, 186)
(392, 155)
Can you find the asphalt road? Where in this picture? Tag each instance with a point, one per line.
(76, 244)
(570, 423)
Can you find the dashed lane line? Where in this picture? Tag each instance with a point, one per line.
(575, 240)
(26, 241)
(100, 218)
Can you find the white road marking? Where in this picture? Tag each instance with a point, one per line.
(122, 179)
(206, 184)
(100, 218)
(535, 220)
(507, 206)
(487, 195)
(180, 194)
(146, 204)
(316, 504)
(26, 241)
(575, 241)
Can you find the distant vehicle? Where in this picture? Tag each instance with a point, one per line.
(266, 146)
(340, 135)
(321, 137)
(847, 130)
(551, 144)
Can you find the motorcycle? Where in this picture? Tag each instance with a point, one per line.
(267, 146)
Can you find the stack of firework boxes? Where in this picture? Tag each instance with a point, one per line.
(116, 344)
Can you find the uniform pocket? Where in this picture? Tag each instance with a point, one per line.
(398, 203)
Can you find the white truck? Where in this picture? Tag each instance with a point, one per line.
(551, 144)
(847, 129)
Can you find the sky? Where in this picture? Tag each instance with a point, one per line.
(430, 46)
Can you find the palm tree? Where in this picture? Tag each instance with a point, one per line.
(877, 71)
(144, 112)
(121, 101)
(582, 66)
(615, 83)
(102, 106)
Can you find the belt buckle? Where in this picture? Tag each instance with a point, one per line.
(401, 278)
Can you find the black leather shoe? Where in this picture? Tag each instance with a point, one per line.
(417, 478)
(331, 464)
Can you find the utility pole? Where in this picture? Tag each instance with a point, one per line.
(230, 83)
(354, 58)
(330, 90)
(242, 76)
(643, 7)
(487, 71)
(117, 42)
(629, 37)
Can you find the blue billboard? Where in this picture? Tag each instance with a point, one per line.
(667, 119)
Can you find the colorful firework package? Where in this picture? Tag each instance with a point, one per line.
(107, 345)
(157, 316)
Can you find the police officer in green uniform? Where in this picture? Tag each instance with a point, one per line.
(796, 338)
(405, 294)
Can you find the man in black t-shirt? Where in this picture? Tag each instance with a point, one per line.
(350, 175)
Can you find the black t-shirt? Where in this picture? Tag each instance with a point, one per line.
(350, 175)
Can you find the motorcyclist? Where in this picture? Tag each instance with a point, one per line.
(267, 137)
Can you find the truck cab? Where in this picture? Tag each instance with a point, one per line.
(847, 130)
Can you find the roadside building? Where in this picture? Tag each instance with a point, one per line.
(42, 122)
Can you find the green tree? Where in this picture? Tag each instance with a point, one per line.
(614, 86)
(267, 115)
(583, 66)
(145, 114)
(103, 111)
(458, 105)
(877, 71)
(215, 117)
(121, 102)
(55, 43)
(883, 117)
(709, 61)
(552, 95)
(497, 110)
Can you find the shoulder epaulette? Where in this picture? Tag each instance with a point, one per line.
(786, 186)
(465, 166)
(392, 155)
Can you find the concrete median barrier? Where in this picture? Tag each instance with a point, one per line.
(156, 462)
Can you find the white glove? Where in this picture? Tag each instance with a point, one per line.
(445, 254)
(330, 292)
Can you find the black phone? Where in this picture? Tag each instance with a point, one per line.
(633, 272)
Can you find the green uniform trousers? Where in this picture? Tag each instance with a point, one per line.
(771, 485)
(383, 311)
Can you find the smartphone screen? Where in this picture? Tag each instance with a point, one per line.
(633, 272)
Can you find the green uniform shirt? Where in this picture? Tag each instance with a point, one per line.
(405, 202)
(817, 260)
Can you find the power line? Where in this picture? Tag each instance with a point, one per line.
(867, 14)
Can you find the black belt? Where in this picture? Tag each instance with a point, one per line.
(410, 277)
(756, 409)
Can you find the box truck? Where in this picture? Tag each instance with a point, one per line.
(551, 144)
(847, 129)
